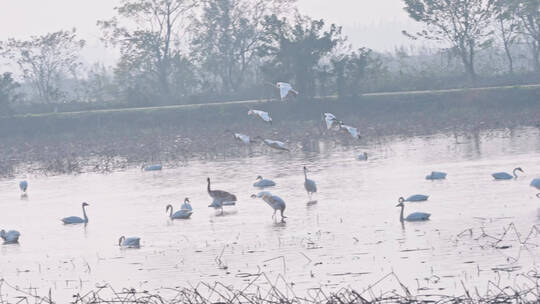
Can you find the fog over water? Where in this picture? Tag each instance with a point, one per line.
(363, 97)
(350, 238)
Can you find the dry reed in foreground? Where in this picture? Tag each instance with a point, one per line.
(262, 290)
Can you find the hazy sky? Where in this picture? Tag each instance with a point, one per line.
(373, 23)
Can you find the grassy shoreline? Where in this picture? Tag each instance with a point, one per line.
(254, 102)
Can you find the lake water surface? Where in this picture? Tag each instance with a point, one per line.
(351, 238)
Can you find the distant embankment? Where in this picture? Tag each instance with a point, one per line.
(491, 105)
(62, 140)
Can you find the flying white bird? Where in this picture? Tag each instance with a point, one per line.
(274, 144)
(285, 89)
(264, 116)
(331, 121)
(351, 130)
(242, 138)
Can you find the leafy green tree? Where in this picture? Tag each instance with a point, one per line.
(528, 12)
(507, 29)
(45, 60)
(463, 24)
(353, 72)
(148, 34)
(295, 50)
(227, 36)
(98, 85)
(8, 94)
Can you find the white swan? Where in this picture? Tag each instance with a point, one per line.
(76, 219)
(273, 201)
(436, 175)
(413, 217)
(504, 175)
(264, 116)
(130, 242)
(184, 213)
(152, 167)
(415, 198)
(263, 183)
(11, 237)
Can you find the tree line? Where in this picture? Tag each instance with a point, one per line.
(189, 51)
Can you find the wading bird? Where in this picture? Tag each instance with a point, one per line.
(415, 198)
(11, 237)
(413, 217)
(23, 185)
(309, 184)
(76, 219)
(536, 183)
(220, 198)
(273, 201)
(130, 242)
(362, 156)
(264, 116)
(285, 89)
(504, 175)
(263, 183)
(184, 213)
(436, 175)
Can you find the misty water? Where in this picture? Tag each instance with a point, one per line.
(352, 237)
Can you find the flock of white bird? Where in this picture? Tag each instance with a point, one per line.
(222, 198)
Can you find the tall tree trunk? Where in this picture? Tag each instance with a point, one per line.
(467, 58)
(509, 57)
(536, 56)
(472, 72)
(506, 43)
(340, 78)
